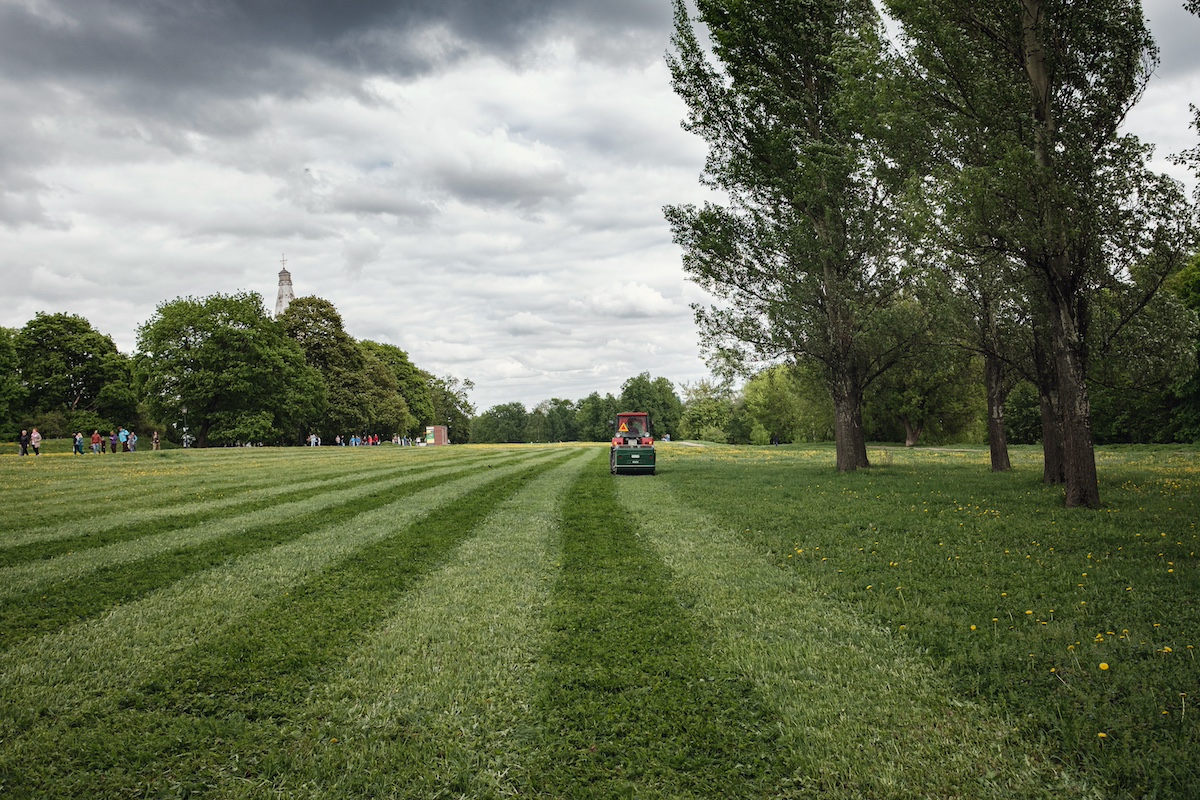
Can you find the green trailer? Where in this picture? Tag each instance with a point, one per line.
(632, 451)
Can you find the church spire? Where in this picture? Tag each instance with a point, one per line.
(285, 295)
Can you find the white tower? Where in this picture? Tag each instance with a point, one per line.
(285, 295)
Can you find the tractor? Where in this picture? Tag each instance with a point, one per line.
(632, 451)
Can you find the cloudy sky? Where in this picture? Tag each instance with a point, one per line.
(478, 182)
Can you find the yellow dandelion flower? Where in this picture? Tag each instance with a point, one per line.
(1103, 665)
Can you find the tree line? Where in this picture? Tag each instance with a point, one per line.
(223, 368)
(587, 420)
(887, 206)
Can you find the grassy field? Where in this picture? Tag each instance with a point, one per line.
(515, 622)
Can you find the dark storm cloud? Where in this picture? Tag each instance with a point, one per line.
(244, 45)
(159, 69)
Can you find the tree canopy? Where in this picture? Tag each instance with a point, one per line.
(67, 365)
(231, 366)
(657, 397)
(1029, 169)
(803, 253)
(362, 391)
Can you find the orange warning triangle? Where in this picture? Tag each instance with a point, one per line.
(624, 428)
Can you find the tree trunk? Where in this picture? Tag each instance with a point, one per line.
(1079, 454)
(849, 435)
(1061, 278)
(997, 394)
(1053, 471)
(912, 433)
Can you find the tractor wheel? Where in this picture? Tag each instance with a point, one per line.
(612, 461)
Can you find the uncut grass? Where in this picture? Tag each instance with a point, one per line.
(73, 673)
(929, 544)
(630, 704)
(216, 703)
(436, 702)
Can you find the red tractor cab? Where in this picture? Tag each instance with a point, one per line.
(632, 450)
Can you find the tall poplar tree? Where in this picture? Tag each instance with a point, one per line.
(1028, 97)
(802, 252)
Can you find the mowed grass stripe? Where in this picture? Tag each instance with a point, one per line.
(629, 703)
(269, 662)
(50, 607)
(172, 493)
(103, 483)
(864, 715)
(248, 686)
(438, 700)
(15, 581)
(66, 489)
(87, 532)
(272, 738)
(184, 490)
(84, 670)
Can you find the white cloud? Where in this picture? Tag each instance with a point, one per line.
(626, 300)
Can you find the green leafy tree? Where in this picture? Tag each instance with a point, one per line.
(790, 403)
(707, 411)
(537, 427)
(596, 415)
(1184, 395)
(362, 390)
(67, 365)
(231, 366)
(1023, 414)
(452, 406)
(500, 424)
(383, 406)
(804, 253)
(12, 393)
(1026, 101)
(744, 428)
(412, 382)
(936, 392)
(560, 419)
(657, 397)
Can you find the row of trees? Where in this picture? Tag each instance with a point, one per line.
(222, 367)
(969, 189)
(244, 377)
(586, 420)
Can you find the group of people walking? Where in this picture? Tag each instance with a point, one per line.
(120, 440)
(30, 441)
